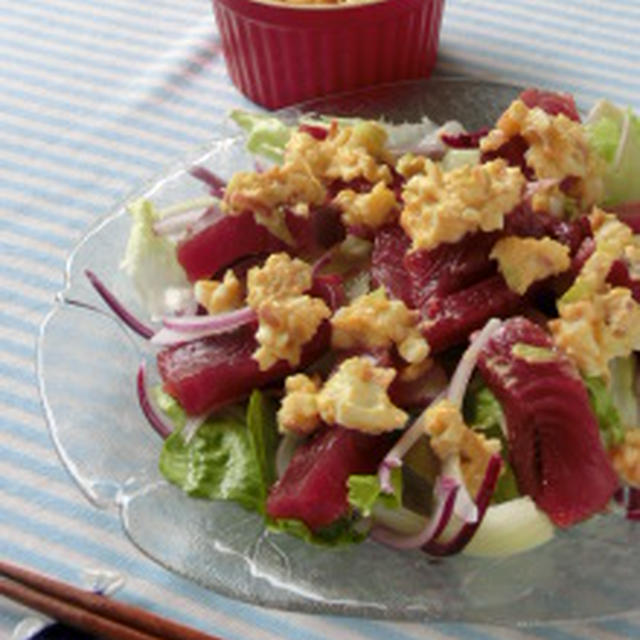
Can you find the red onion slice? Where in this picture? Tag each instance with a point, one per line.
(393, 459)
(455, 394)
(181, 329)
(462, 374)
(117, 307)
(629, 498)
(322, 262)
(214, 182)
(219, 322)
(154, 418)
(459, 540)
(180, 221)
(445, 493)
(465, 508)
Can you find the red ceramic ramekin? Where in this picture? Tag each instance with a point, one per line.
(280, 54)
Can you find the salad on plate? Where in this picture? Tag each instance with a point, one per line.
(414, 333)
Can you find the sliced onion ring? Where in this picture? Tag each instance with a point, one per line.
(629, 498)
(462, 374)
(454, 544)
(219, 322)
(445, 493)
(181, 329)
(465, 508)
(117, 307)
(180, 221)
(155, 419)
(214, 182)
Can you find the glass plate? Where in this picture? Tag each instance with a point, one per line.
(87, 363)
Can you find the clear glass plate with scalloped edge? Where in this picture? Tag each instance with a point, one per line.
(87, 363)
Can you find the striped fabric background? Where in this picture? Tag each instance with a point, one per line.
(96, 97)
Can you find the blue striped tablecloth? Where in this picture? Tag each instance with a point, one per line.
(95, 98)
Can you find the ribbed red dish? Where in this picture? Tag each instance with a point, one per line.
(281, 54)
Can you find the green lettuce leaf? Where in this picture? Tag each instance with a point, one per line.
(483, 412)
(266, 136)
(365, 492)
(507, 486)
(623, 390)
(151, 263)
(456, 158)
(221, 461)
(263, 431)
(614, 134)
(606, 413)
(232, 457)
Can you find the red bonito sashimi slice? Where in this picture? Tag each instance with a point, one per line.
(552, 102)
(205, 251)
(629, 213)
(553, 438)
(207, 374)
(387, 263)
(450, 266)
(449, 320)
(314, 486)
(210, 373)
(514, 150)
(210, 248)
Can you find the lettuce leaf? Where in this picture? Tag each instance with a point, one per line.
(221, 461)
(151, 263)
(263, 431)
(614, 134)
(232, 457)
(622, 388)
(365, 492)
(606, 413)
(266, 136)
(483, 412)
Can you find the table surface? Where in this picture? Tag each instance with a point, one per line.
(95, 98)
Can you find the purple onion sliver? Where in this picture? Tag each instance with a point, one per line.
(322, 262)
(466, 532)
(462, 374)
(181, 221)
(213, 181)
(218, 323)
(384, 473)
(155, 420)
(629, 498)
(118, 308)
(446, 491)
(465, 140)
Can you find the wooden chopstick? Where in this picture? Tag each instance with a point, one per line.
(87, 611)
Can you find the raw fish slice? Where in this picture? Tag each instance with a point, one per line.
(207, 374)
(450, 267)
(448, 321)
(554, 442)
(552, 102)
(207, 251)
(387, 263)
(314, 486)
(210, 373)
